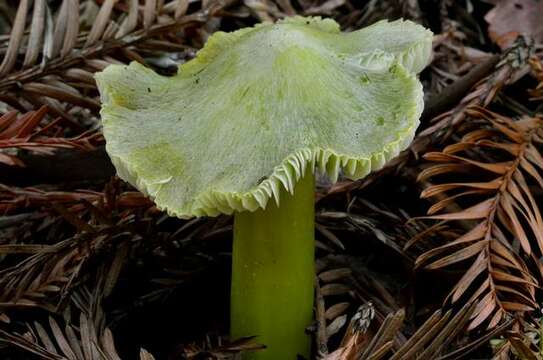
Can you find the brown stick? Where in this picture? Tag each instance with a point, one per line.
(446, 99)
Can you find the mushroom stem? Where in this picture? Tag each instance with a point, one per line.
(273, 274)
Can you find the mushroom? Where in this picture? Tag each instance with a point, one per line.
(242, 128)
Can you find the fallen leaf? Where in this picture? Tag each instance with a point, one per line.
(508, 19)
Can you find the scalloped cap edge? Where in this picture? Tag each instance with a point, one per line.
(285, 175)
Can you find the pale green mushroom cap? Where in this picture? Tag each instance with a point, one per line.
(259, 105)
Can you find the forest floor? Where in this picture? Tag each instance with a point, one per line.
(436, 256)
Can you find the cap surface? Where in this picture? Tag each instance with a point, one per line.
(259, 105)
